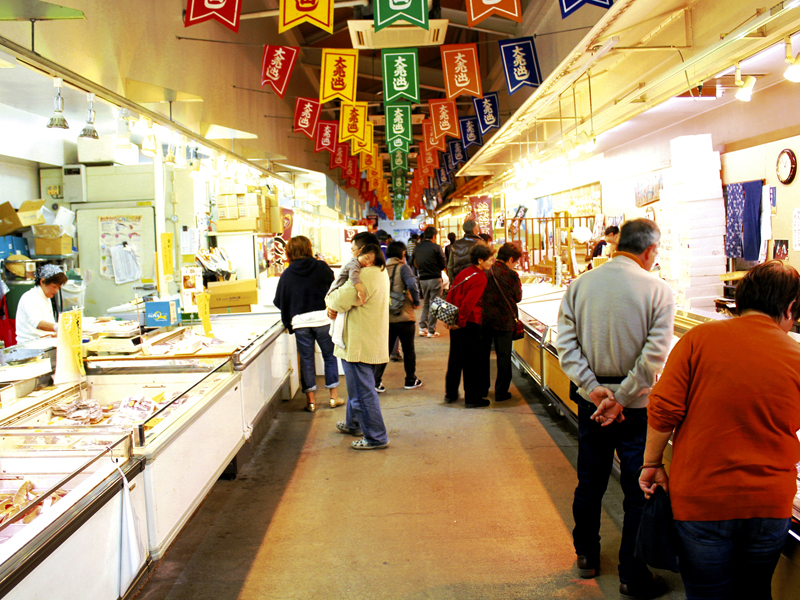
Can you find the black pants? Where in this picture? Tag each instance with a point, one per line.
(503, 341)
(465, 357)
(404, 331)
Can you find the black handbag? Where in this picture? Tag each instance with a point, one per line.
(442, 310)
(519, 328)
(657, 539)
(396, 299)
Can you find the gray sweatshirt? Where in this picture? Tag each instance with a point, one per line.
(616, 321)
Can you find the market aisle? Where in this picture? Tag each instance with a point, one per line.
(464, 504)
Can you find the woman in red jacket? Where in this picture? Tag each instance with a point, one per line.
(466, 292)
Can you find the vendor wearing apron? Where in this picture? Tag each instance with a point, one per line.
(36, 313)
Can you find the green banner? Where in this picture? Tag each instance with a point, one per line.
(398, 144)
(398, 121)
(398, 159)
(389, 11)
(399, 184)
(400, 67)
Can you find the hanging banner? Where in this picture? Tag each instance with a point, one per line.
(456, 149)
(351, 168)
(340, 156)
(470, 134)
(316, 12)
(357, 147)
(449, 165)
(482, 210)
(338, 75)
(444, 177)
(478, 10)
(306, 116)
(226, 12)
(430, 160)
(399, 183)
(570, 6)
(327, 134)
(428, 134)
(398, 121)
(366, 162)
(400, 67)
(399, 144)
(462, 74)
(487, 109)
(389, 11)
(277, 66)
(353, 121)
(520, 63)
(399, 160)
(444, 120)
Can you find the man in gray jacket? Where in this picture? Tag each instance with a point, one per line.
(458, 258)
(614, 334)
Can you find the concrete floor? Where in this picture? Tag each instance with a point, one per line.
(464, 504)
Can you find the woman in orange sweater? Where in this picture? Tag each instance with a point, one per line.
(730, 391)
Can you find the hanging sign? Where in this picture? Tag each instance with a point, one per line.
(457, 153)
(399, 183)
(363, 188)
(430, 159)
(294, 12)
(399, 160)
(482, 209)
(400, 67)
(444, 120)
(353, 121)
(340, 156)
(487, 109)
(444, 177)
(338, 76)
(570, 6)
(399, 144)
(428, 134)
(366, 162)
(277, 66)
(398, 121)
(389, 11)
(478, 10)
(351, 167)
(470, 134)
(226, 12)
(327, 134)
(306, 116)
(520, 63)
(449, 165)
(357, 147)
(462, 74)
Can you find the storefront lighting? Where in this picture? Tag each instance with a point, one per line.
(169, 159)
(180, 157)
(149, 144)
(571, 150)
(194, 165)
(123, 129)
(792, 73)
(587, 144)
(746, 91)
(89, 130)
(7, 61)
(57, 121)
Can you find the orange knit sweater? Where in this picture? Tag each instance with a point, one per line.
(732, 391)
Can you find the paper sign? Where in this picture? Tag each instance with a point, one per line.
(478, 10)
(570, 6)
(444, 120)
(398, 121)
(204, 312)
(470, 134)
(167, 257)
(327, 134)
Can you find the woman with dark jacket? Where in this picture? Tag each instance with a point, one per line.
(301, 298)
(466, 292)
(401, 326)
(500, 298)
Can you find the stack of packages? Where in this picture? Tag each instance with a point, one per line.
(248, 208)
(692, 222)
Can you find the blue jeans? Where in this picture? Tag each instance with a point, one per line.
(596, 446)
(363, 407)
(730, 559)
(305, 338)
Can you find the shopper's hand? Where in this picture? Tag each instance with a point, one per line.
(600, 393)
(650, 478)
(608, 411)
(451, 327)
(332, 313)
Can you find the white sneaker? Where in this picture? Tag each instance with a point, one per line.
(417, 383)
(380, 389)
(434, 334)
(423, 333)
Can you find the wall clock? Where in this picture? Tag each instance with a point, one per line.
(786, 167)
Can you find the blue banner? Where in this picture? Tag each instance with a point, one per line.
(470, 131)
(520, 63)
(449, 165)
(487, 109)
(457, 153)
(570, 6)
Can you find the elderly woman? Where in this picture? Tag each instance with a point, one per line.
(36, 312)
(730, 392)
(301, 298)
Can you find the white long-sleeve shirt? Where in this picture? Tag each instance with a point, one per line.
(33, 308)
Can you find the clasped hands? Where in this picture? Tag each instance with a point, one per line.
(608, 409)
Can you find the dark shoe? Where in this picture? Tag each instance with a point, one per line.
(502, 397)
(396, 358)
(450, 400)
(477, 404)
(411, 386)
(380, 388)
(588, 568)
(644, 591)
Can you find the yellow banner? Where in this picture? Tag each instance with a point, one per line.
(72, 322)
(353, 121)
(167, 255)
(338, 76)
(357, 147)
(316, 12)
(204, 312)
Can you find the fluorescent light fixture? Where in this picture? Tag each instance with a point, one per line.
(89, 130)
(792, 72)
(572, 150)
(746, 93)
(57, 121)
(587, 143)
(149, 143)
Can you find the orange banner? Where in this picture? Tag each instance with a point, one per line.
(338, 76)
(431, 141)
(478, 10)
(444, 121)
(462, 73)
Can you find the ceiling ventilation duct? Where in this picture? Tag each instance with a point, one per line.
(364, 36)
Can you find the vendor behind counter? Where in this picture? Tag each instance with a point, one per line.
(37, 314)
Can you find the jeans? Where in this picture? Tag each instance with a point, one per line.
(730, 559)
(429, 289)
(305, 337)
(404, 332)
(503, 341)
(465, 357)
(363, 407)
(596, 446)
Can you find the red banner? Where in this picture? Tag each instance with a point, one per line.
(462, 73)
(431, 141)
(287, 216)
(306, 116)
(341, 155)
(277, 66)
(482, 211)
(478, 10)
(226, 12)
(327, 134)
(444, 121)
(351, 172)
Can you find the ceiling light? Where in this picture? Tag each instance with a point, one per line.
(588, 144)
(194, 166)
(792, 73)
(89, 131)
(149, 144)
(746, 92)
(58, 121)
(169, 159)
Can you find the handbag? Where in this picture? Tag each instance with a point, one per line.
(519, 328)
(396, 299)
(657, 539)
(8, 326)
(443, 311)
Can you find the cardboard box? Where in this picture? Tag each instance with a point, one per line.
(233, 293)
(224, 212)
(272, 200)
(275, 220)
(20, 245)
(48, 232)
(231, 310)
(30, 213)
(60, 246)
(245, 224)
(162, 313)
(6, 247)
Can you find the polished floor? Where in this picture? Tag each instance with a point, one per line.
(464, 504)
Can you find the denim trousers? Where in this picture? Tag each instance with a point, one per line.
(503, 341)
(305, 338)
(363, 406)
(596, 446)
(465, 357)
(404, 332)
(429, 289)
(732, 559)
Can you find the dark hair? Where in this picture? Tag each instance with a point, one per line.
(429, 233)
(485, 237)
(508, 250)
(375, 249)
(611, 230)
(451, 236)
(468, 226)
(383, 235)
(395, 250)
(365, 237)
(414, 236)
(638, 235)
(60, 278)
(298, 247)
(770, 288)
(480, 252)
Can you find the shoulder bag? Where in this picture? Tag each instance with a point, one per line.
(443, 311)
(397, 299)
(519, 328)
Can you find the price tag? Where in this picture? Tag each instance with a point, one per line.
(72, 323)
(167, 256)
(204, 310)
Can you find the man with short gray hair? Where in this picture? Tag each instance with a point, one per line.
(614, 334)
(458, 258)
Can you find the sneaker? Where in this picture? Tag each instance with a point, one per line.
(434, 334)
(653, 588)
(423, 333)
(410, 386)
(363, 444)
(477, 404)
(380, 389)
(342, 426)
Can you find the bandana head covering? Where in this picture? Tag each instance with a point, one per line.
(46, 271)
